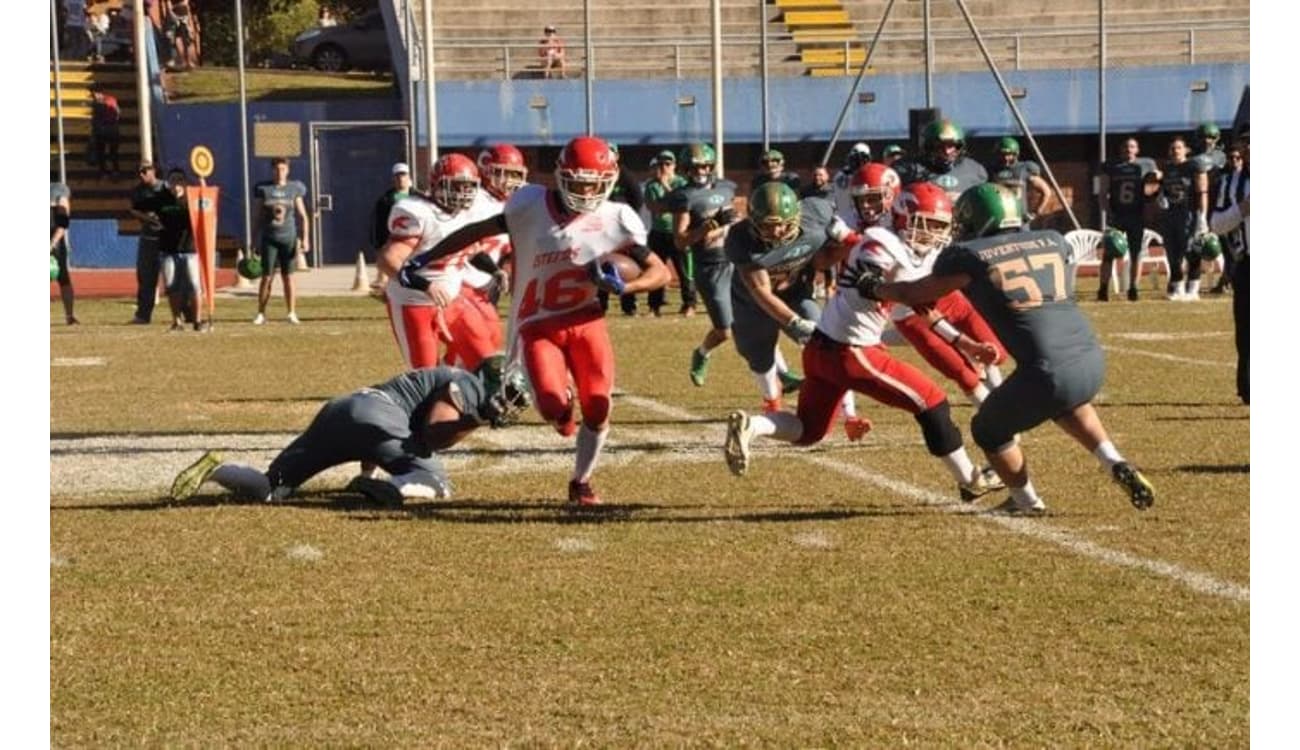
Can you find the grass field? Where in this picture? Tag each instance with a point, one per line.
(212, 84)
(835, 596)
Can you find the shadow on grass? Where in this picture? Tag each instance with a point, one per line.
(1214, 468)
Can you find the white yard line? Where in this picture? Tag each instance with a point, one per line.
(1035, 529)
(1169, 357)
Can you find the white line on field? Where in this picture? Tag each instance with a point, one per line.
(1170, 357)
(1163, 336)
(1196, 581)
(78, 362)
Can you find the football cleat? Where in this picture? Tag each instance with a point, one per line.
(699, 368)
(980, 486)
(1103, 294)
(856, 428)
(1010, 507)
(790, 382)
(1140, 492)
(193, 476)
(259, 319)
(1132, 294)
(377, 490)
(740, 431)
(581, 495)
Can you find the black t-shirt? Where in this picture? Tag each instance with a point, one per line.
(175, 235)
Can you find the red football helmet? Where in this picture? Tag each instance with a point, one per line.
(502, 169)
(874, 188)
(454, 182)
(923, 217)
(586, 173)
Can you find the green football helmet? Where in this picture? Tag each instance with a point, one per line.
(986, 209)
(54, 268)
(1207, 130)
(1009, 145)
(250, 267)
(1207, 246)
(698, 161)
(506, 389)
(1114, 244)
(774, 209)
(939, 132)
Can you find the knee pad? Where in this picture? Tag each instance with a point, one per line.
(941, 435)
(990, 437)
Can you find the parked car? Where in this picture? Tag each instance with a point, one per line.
(362, 43)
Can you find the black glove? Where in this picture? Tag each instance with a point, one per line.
(725, 216)
(865, 278)
(500, 282)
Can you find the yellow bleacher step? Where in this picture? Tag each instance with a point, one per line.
(831, 56)
(817, 18)
(809, 4)
(87, 77)
(83, 95)
(803, 37)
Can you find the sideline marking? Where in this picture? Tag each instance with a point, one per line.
(78, 361)
(1170, 357)
(1194, 580)
(1158, 336)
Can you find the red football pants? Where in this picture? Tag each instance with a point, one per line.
(475, 329)
(943, 356)
(575, 345)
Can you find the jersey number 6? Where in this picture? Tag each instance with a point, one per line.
(563, 291)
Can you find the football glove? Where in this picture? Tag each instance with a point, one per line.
(799, 329)
(495, 288)
(725, 216)
(865, 278)
(605, 277)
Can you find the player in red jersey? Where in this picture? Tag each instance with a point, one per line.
(560, 237)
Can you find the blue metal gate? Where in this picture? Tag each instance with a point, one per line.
(351, 167)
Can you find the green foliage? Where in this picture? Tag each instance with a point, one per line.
(270, 26)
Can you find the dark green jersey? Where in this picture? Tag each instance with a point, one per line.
(1021, 285)
(278, 220)
(1126, 177)
(415, 391)
(1016, 178)
(955, 180)
(1178, 185)
(656, 192)
(818, 224)
(702, 202)
(147, 199)
(1212, 161)
(175, 234)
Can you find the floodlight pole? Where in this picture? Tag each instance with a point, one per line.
(58, 90)
(762, 68)
(430, 83)
(1024, 128)
(243, 123)
(853, 90)
(1101, 107)
(419, 173)
(717, 86)
(144, 105)
(587, 65)
(929, 55)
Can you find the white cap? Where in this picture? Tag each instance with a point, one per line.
(861, 147)
(401, 168)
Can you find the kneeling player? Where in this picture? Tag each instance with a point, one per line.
(397, 426)
(845, 354)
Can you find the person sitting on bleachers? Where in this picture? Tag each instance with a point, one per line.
(551, 50)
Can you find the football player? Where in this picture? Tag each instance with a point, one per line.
(398, 426)
(771, 293)
(1183, 197)
(419, 320)
(559, 236)
(772, 169)
(1128, 182)
(857, 157)
(702, 215)
(943, 160)
(280, 233)
(922, 221)
(1019, 283)
(1021, 176)
(844, 353)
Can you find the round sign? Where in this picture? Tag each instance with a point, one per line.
(201, 161)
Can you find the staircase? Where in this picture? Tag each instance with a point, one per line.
(823, 35)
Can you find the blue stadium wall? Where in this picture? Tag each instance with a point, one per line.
(471, 113)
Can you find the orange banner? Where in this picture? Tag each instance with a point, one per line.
(203, 222)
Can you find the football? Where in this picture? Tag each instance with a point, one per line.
(628, 269)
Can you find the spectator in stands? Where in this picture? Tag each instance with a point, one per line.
(181, 33)
(60, 220)
(821, 186)
(892, 153)
(772, 169)
(1231, 218)
(98, 30)
(326, 18)
(180, 264)
(146, 199)
(105, 137)
(400, 188)
(74, 29)
(551, 51)
(660, 238)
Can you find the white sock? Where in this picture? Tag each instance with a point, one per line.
(779, 358)
(1108, 455)
(703, 352)
(959, 465)
(992, 376)
(768, 383)
(779, 425)
(978, 394)
(848, 406)
(1194, 287)
(245, 481)
(1026, 495)
(590, 443)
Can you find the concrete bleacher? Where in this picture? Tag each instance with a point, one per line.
(636, 39)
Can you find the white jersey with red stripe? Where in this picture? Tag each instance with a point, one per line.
(497, 246)
(909, 265)
(547, 238)
(420, 217)
(849, 318)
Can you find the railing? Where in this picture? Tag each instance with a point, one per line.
(1178, 44)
